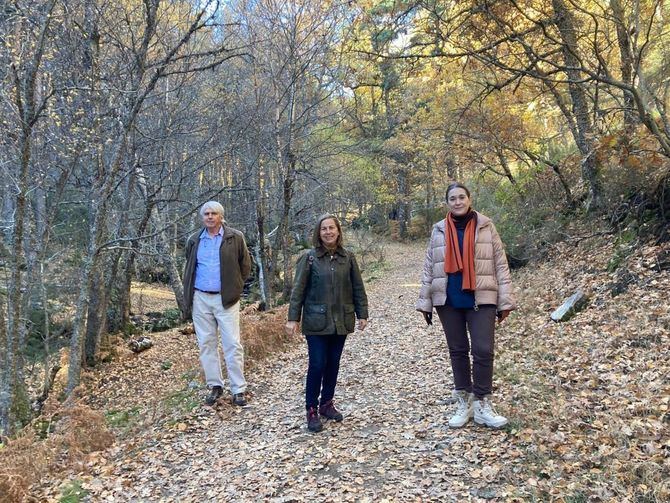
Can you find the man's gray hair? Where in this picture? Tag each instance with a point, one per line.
(212, 205)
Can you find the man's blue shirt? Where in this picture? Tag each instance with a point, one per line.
(208, 267)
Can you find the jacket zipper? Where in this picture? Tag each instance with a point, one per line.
(474, 292)
(332, 290)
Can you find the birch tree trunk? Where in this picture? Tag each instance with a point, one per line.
(261, 258)
(127, 272)
(580, 107)
(25, 98)
(626, 64)
(115, 281)
(87, 282)
(95, 316)
(286, 162)
(6, 389)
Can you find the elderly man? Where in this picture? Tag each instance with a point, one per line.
(217, 263)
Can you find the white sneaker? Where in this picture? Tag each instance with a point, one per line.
(463, 408)
(485, 414)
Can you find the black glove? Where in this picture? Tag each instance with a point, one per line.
(428, 317)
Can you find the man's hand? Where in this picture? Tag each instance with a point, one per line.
(502, 315)
(291, 327)
(362, 324)
(428, 317)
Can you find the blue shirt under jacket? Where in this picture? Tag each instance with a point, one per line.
(208, 266)
(456, 297)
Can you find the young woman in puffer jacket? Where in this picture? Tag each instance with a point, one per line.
(466, 279)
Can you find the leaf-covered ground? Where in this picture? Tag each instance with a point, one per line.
(587, 399)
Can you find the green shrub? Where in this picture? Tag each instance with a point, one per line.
(73, 492)
(121, 418)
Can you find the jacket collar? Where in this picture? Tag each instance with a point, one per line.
(321, 251)
(204, 232)
(482, 220)
(227, 233)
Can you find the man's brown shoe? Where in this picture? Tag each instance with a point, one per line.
(214, 395)
(329, 411)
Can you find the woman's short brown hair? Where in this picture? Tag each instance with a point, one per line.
(316, 237)
(456, 185)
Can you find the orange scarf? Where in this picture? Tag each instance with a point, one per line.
(453, 261)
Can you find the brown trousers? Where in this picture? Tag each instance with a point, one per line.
(477, 377)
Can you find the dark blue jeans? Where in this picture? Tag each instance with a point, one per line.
(325, 352)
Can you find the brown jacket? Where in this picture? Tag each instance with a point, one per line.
(235, 266)
(494, 284)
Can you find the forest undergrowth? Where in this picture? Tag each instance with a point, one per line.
(591, 395)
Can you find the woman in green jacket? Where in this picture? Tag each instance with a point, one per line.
(328, 294)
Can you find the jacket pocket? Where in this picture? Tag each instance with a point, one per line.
(349, 317)
(314, 319)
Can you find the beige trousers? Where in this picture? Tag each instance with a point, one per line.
(211, 319)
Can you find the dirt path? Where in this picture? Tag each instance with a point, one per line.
(393, 444)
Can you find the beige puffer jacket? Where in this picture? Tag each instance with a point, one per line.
(494, 285)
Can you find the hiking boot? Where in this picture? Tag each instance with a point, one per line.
(313, 420)
(464, 410)
(485, 414)
(239, 399)
(329, 411)
(214, 395)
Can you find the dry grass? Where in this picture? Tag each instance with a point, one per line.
(263, 332)
(20, 460)
(78, 431)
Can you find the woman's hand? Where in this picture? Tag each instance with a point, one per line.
(362, 324)
(428, 317)
(291, 327)
(502, 315)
